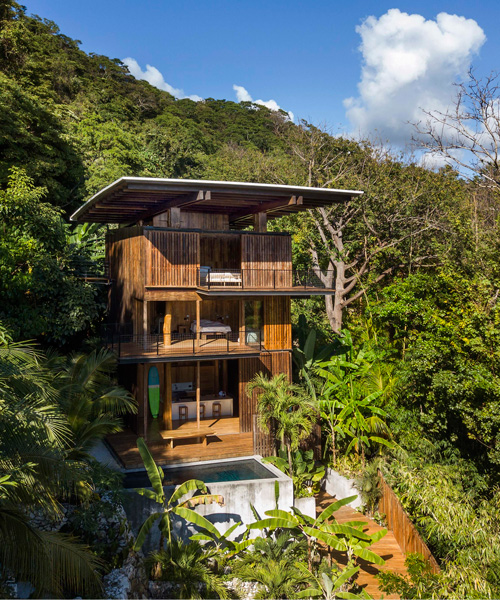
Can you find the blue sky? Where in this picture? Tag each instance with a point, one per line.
(304, 55)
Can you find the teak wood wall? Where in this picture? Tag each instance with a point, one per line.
(269, 363)
(220, 251)
(277, 324)
(125, 256)
(172, 258)
(192, 220)
(266, 260)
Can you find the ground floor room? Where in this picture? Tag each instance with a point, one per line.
(195, 410)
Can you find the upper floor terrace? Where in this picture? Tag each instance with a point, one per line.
(206, 236)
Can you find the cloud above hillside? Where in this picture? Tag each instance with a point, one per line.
(154, 77)
(409, 64)
(242, 95)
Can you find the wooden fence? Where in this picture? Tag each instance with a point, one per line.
(263, 443)
(400, 524)
(313, 442)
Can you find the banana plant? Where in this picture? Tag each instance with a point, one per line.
(175, 505)
(221, 542)
(306, 473)
(323, 529)
(327, 588)
(306, 358)
(349, 401)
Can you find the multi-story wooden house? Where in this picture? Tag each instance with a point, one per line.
(199, 302)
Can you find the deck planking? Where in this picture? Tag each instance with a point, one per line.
(228, 443)
(387, 548)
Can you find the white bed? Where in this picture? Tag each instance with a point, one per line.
(207, 326)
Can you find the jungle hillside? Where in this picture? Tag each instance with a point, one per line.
(410, 340)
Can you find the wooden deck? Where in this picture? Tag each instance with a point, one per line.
(387, 548)
(153, 349)
(228, 443)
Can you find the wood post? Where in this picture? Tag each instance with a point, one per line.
(198, 392)
(260, 222)
(198, 311)
(145, 324)
(167, 325)
(167, 397)
(216, 377)
(242, 331)
(224, 375)
(175, 217)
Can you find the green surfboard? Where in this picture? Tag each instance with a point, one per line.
(154, 391)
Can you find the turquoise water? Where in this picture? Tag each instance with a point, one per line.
(240, 470)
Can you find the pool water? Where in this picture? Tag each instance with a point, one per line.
(240, 470)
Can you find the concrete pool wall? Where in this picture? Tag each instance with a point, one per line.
(238, 496)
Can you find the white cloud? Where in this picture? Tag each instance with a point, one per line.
(242, 95)
(155, 78)
(409, 64)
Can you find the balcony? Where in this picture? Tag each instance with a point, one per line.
(186, 346)
(293, 282)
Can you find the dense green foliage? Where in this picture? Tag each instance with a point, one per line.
(420, 250)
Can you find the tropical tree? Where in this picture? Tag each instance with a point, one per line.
(285, 408)
(307, 357)
(332, 585)
(353, 387)
(34, 474)
(278, 578)
(347, 537)
(175, 505)
(186, 566)
(274, 562)
(93, 405)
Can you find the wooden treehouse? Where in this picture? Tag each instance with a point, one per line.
(199, 302)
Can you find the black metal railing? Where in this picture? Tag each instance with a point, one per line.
(181, 344)
(263, 278)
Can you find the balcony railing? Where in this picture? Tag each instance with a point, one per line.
(182, 344)
(244, 279)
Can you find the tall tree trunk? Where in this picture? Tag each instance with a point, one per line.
(289, 452)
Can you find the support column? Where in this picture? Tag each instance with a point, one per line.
(224, 375)
(198, 319)
(216, 377)
(198, 392)
(167, 325)
(167, 400)
(260, 222)
(242, 332)
(145, 324)
(175, 217)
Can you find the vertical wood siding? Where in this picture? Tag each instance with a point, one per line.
(269, 363)
(172, 258)
(404, 531)
(277, 324)
(220, 251)
(266, 261)
(125, 256)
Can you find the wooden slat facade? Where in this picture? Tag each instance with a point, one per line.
(398, 521)
(125, 256)
(269, 363)
(266, 261)
(263, 443)
(277, 324)
(172, 258)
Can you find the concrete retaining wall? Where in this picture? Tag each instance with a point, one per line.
(238, 496)
(341, 487)
(307, 506)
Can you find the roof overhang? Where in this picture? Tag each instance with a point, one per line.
(131, 199)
